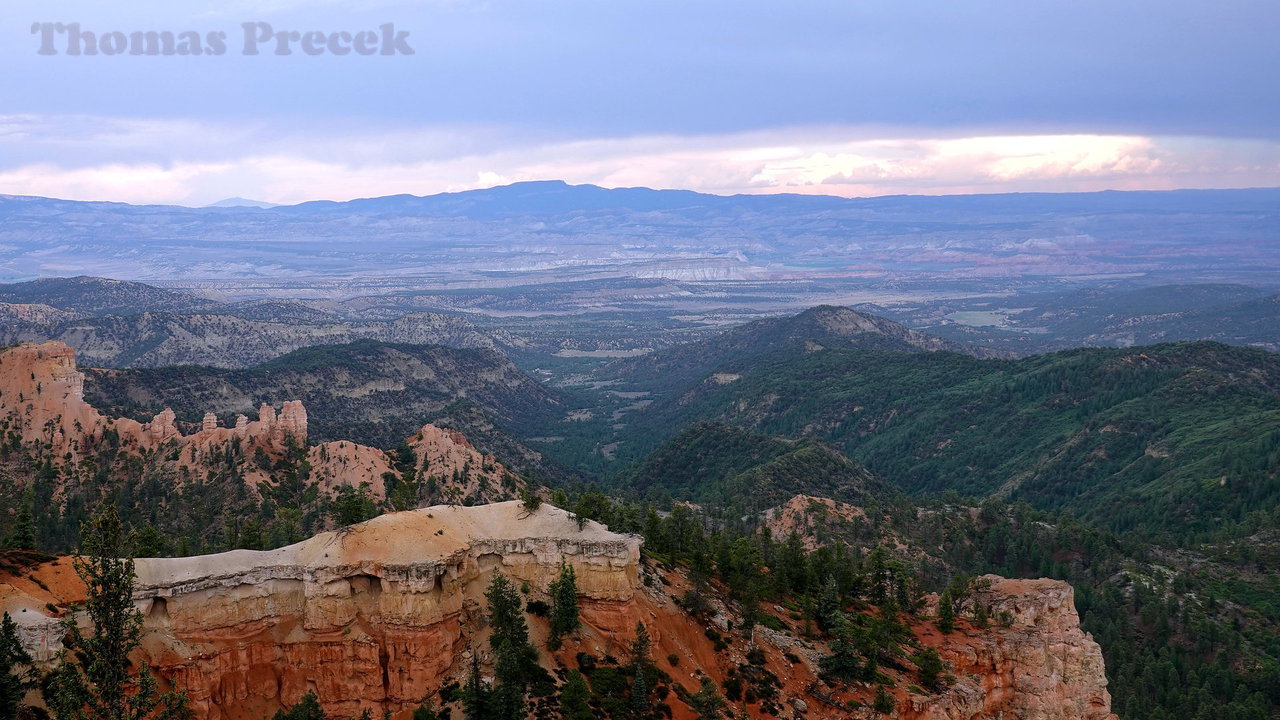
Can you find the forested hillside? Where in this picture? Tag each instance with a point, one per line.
(1179, 440)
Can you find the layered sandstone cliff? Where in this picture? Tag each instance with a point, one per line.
(383, 615)
(375, 616)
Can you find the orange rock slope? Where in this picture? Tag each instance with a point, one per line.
(42, 405)
(382, 615)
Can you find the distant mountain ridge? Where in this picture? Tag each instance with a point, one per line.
(548, 195)
(588, 231)
(237, 202)
(88, 295)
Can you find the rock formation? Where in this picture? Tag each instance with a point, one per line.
(1038, 663)
(42, 401)
(382, 615)
(42, 397)
(374, 616)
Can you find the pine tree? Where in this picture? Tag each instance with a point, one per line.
(884, 702)
(564, 606)
(946, 613)
(845, 661)
(15, 669)
(509, 682)
(930, 665)
(706, 703)
(640, 663)
(353, 505)
(530, 501)
(829, 604)
(515, 657)
(981, 615)
(506, 616)
(93, 679)
(475, 694)
(573, 698)
(878, 569)
(307, 708)
(405, 494)
(23, 534)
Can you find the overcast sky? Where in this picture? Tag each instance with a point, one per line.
(848, 98)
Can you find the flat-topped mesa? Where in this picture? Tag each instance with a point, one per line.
(374, 615)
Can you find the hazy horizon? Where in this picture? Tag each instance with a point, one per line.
(252, 202)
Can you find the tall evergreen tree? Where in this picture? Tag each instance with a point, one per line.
(515, 658)
(93, 680)
(640, 663)
(564, 606)
(946, 613)
(509, 683)
(506, 616)
(573, 698)
(15, 669)
(23, 534)
(878, 574)
(829, 606)
(476, 703)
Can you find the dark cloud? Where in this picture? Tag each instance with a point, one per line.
(615, 67)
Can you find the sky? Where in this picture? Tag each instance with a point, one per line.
(850, 97)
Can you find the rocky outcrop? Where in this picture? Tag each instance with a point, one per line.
(809, 517)
(372, 617)
(42, 402)
(292, 421)
(446, 454)
(42, 397)
(1033, 662)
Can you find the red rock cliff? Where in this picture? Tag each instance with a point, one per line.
(382, 615)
